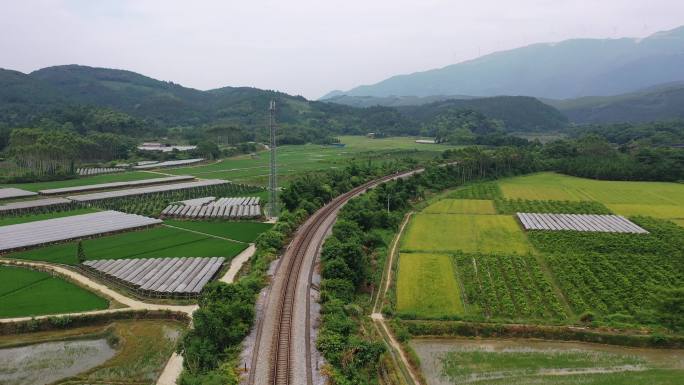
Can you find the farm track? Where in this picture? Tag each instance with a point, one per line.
(279, 334)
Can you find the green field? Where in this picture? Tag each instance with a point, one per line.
(512, 362)
(88, 180)
(551, 186)
(239, 231)
(468, 233)
(427, 286)
(25, 292)
(657, 211)
(461, 206)
(150, 243)
(301, 158)
(43, 216)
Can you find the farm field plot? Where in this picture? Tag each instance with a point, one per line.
(157, 242)
(509, 286)
(293, 159)
(513, 206)
(679, 222)
(83, 181)
(552, 186)
(467, 233)
(427, 286)
(239, 231)
(461, 206)
(25, 292)
(656, 211)
(43, 216)
(143, 349)
(523, 362)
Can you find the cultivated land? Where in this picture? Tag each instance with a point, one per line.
(142, 349)
(461, 206)
(150, 243)
(239, 231)
(25, 292)
(522, 362)
(301, 158)
(657, 199)
(424, 280)
(468, 233)
(43, 216)
(88, 180)
(507, 274)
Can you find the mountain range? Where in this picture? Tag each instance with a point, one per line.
(25, 98)
(564, 70)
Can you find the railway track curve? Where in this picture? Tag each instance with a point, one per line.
(277, 358)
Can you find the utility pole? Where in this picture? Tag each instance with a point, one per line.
(272, 180)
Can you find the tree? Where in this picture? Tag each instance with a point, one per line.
(80, 253)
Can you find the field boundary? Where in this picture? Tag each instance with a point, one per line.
(447, 329)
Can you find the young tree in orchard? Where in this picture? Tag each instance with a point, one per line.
(80, 253)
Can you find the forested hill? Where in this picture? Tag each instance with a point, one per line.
(83, 96)
(665, 102)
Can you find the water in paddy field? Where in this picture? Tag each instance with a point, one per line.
(455, 361)
(48, 362)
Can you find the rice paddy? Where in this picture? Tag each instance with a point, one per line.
(443, 233)
(461, 206)
(150, 243)
(518, 362)
(25, 292)
(43, 216)
(551, 186)
(427, 286)
(89, 180)
(239, 231)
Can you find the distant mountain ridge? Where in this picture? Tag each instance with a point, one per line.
(568, 69)
(26, 97)
(662, 102)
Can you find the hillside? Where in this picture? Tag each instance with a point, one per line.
(519, 113)
(663, 102)
(568, 69)
(56, 91)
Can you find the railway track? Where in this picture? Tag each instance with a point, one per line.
(281, 355)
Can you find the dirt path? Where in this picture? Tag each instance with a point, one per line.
(131, 303)
(237, 262)
(174, 366)
(379, 320)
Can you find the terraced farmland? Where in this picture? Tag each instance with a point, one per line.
(25, 292)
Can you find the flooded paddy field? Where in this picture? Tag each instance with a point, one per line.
(123, 352)
(518, 361)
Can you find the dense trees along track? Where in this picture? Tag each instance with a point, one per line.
(282, 354)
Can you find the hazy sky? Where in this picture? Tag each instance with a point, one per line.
(306, 47)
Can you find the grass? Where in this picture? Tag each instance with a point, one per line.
(240, 231)
(553, 366)
(468, 233)
(43, 216)
(25, 292)
(145, 346)
(89, 180)
(150, 243)
(427, 286)
(657, 211)
(461, 206)
(552, 186)
(679, 222)
(294, 160)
